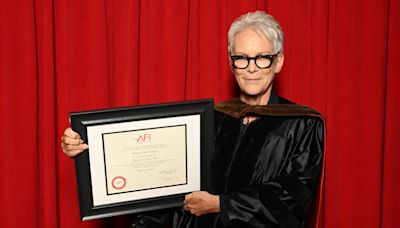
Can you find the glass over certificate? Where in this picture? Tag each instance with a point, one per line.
(145, 159)
(142, 158)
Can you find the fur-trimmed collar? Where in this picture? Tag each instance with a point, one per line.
(237, 109)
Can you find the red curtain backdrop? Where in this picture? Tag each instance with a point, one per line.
(56, 56)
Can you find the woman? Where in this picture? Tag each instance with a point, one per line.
(268, 151)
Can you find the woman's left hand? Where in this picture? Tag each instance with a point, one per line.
(200, 203)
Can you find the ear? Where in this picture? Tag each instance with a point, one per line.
(279, 63)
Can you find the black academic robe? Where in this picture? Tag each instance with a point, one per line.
(266, 172)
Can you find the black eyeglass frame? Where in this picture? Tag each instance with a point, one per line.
(270, 57)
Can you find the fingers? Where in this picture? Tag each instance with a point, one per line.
(71, 141)
(202, 202)
(73, 150)
(188, 197)
(72, 153)
(71, 134)
(72, 144)
(186, 202)
(191, 204)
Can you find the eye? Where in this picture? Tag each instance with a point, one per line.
(240, 61)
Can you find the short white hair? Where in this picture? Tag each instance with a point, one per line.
(260, 22)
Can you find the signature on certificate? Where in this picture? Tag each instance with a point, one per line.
(169, 171)
(168, 174)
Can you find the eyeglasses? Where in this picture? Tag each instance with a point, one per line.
(261, 61)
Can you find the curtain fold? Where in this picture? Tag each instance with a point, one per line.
(56, 57)
(390, 185)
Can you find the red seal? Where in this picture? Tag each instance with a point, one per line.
(118, 182)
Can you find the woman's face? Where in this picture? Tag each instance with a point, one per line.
(255, 83)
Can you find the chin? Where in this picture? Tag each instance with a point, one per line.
(252, 93)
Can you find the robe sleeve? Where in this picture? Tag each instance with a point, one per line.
(285, 201)
(153, 219)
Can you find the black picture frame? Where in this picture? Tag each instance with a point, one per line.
(81, 121)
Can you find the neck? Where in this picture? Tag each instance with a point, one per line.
(255, 100)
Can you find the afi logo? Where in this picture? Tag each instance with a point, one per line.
(144, 138)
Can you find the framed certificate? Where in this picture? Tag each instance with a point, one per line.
(142, 158)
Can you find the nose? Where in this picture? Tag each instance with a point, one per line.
(252, 67)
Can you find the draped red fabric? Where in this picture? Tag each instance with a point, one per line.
(56, 56)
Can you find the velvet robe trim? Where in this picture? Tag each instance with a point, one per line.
(237, 109)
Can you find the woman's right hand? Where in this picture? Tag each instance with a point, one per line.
(72, 144)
